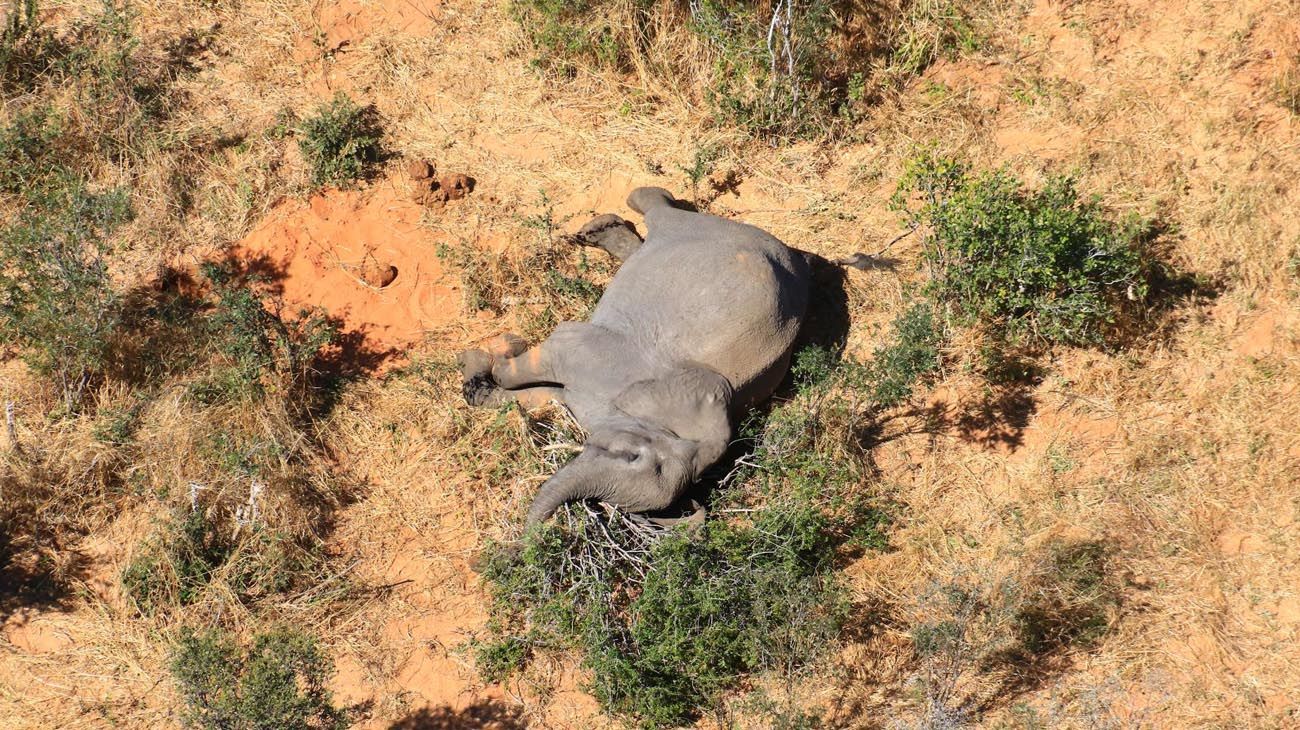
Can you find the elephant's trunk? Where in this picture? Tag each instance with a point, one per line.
(572, 482)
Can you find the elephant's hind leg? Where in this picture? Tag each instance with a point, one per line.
(612, 233)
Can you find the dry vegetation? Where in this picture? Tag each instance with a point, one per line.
(223, 508)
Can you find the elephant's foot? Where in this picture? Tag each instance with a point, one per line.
(610, 232)
(479, 390)
(476, 377)
(477, 384)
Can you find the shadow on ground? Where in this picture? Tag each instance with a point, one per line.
(482, 715)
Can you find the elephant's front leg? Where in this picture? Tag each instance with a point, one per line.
(503, 371)
(476, 365)
(533, 367)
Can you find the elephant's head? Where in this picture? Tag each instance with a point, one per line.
(662, 435)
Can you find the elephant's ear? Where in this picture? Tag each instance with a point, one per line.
(694, 403)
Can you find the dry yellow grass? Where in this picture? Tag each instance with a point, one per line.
(1182, 454)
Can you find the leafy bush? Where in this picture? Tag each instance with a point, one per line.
(278, 682)
(1043, 266)
(57, 300)
(743, 597)
(910, 355)
(669, 619)
(341, 141)
(256, 338)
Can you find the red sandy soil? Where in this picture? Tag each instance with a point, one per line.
(337, 250)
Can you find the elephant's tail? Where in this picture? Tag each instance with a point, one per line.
(866, 262)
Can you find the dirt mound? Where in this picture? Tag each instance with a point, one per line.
(364, 258)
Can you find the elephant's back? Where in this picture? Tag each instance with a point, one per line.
(714, 292)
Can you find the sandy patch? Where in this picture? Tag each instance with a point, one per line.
(364, 258)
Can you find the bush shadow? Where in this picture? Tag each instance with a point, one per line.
(28, 581)
(166, 330)
(482, 715)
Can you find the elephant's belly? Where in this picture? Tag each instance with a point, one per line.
(735, 310)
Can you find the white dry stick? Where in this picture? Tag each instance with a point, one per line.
(782, 24)
(11, 427)
(246, 514)
(254, 491)
(195, 488)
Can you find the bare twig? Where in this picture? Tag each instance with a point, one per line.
(11, 428)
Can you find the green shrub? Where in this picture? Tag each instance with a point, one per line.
(57, 299)
(255, 337)
(278, 682)
(740, 598)
(669, 620)
(910, 355)
(28, 50)
(1043, 266)
(341, 142)
(28, 160)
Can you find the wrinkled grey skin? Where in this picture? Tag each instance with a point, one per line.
(695, 328)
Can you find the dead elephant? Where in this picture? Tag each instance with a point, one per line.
(697, 327)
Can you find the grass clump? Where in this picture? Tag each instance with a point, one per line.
(1286, 87)
(929, 30)
(341, 142)
(773, 69)
(546, 280)
(669, 619)
(1003, 627)
(1035, 267)
(176, 564)
(259, 343)
(770, 70)
(28, 50)
(28, 149)
(58, 300)
(909, 357)
(277, 682)
(191, 551)
(776, 70)
(1071, 598)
